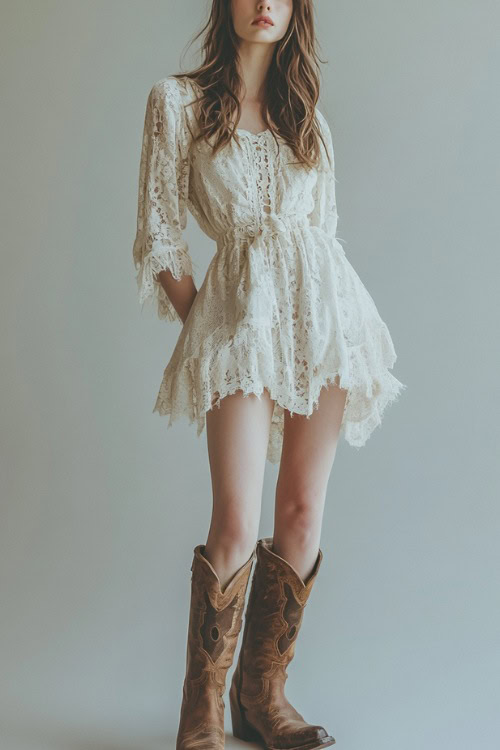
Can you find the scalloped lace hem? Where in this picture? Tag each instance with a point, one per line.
(367, 399)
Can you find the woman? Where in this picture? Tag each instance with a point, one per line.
(282, 337)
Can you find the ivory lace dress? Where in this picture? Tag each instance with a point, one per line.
(280, 306)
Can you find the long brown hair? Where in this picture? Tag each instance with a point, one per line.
(291, 84)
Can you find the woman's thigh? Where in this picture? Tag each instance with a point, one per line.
(309, 447)
(237, 439)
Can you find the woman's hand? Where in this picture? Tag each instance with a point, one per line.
(181, 292)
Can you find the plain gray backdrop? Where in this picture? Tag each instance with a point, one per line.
(102, 506)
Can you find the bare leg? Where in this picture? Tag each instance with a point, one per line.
(309, 447)
(237, 437)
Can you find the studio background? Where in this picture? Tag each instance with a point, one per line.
(102, 505)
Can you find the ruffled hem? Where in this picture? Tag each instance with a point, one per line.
(161, 258)
(225, 364)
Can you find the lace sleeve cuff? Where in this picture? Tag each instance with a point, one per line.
(162, 257)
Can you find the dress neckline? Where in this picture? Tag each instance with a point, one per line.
(254, 135)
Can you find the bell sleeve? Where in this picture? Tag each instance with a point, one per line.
(324, 214)
(163, 189)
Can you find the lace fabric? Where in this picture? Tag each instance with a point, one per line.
(280, 308)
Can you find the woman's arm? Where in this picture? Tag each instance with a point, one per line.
(160, 250)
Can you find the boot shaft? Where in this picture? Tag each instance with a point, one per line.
(215, 617)
(276, 604)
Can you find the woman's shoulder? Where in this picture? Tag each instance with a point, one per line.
(325, 128)
(173, 93)
(323, 122)
(174, 85)
(167, 88)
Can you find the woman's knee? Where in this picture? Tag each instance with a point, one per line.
(299, 512)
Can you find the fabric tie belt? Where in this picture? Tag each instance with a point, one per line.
(255, 296)
(273, 224)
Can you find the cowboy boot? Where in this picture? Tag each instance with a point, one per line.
(215, 620)
(260, 711)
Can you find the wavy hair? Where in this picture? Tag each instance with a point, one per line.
(291, 83)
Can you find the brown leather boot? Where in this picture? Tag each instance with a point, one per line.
(215, 620)
(260, 711)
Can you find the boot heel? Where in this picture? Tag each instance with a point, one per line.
(242, 730)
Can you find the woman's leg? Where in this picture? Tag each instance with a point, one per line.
(309, 447)
(260, 710)
(237, 437)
